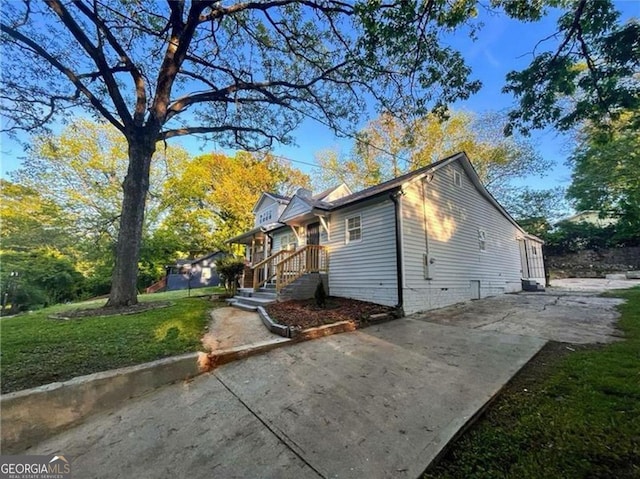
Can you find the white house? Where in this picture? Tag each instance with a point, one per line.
(424, 240)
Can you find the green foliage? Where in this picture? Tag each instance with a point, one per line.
(526, 204)
(44, 277)
(388, 147)
(211, 199)
(320, 295)
(577, 417)
(571, 237)
(29, 220)
(606, 174)
(230, 269)
(80, 172)
(591, 75)
(36, 350)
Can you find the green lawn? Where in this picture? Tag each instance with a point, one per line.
(35, 350)
(571, 414)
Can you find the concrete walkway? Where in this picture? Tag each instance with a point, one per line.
(377, 403)
(595, 285)
(232, 328)
(560, 314)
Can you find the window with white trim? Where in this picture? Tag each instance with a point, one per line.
(353, 229)
(288, 242)
(482, 240)
(457, 178)
(265, 216)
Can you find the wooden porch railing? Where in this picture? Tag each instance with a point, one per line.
(310, 259)
(265, 270)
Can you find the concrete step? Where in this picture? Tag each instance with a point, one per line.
(265, 295)
(253, 301)
(245, 292)
(532, 286)
(244, 307)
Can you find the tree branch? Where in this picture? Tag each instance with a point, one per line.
(138, 79)
(574, 26)
(218, 11)
(40, 51)
(191, 130)
(96, 55)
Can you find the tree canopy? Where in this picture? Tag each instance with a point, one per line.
(606, 173)
(386, 148)
(590, 74)
(247, 73)
(211, 199)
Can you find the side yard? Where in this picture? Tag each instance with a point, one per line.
(37, 350)
(574, 411)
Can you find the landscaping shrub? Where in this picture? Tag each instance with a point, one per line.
(230, 269)
(320, 295)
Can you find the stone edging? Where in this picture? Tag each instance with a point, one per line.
(305, 334)
(272, 326)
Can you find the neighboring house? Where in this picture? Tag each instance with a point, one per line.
(424, 240)
(193, 273)
(591, 217)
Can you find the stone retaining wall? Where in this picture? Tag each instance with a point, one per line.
(594, 264)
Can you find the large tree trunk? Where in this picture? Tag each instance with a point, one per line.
(136, 185)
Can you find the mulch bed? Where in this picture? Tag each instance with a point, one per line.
(304, 313)
(111, 311)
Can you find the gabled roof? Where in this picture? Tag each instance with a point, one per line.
(327, 193)
(391, 184)
(284, 200)
(279, 197)
(315, 203)
(397, 183)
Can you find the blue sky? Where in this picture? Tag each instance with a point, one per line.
(503, 45)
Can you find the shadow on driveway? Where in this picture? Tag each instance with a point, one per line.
(377, 403)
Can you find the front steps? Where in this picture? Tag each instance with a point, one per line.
(531, 285)
(302, 288)
(248, 300)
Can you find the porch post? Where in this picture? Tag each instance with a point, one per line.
(253, 248)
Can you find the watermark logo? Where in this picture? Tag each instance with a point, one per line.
(35, 467)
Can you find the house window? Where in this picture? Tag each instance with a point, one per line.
(266, 216)
(288, 242)
(457, 178)
(354, 229)
(482, 240)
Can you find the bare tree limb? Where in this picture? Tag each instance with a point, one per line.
(40, 51)
(96, 55)
(138, 79)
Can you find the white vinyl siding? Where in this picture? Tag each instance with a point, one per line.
(297, 207)
(365, 270)
(443, 221)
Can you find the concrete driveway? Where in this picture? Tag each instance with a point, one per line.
(570, 312)
(377, 403)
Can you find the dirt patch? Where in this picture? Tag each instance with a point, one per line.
(112, 311)
(304, 313)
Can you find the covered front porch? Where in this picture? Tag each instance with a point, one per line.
(278, 256)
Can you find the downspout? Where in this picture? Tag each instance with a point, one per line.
(394, 197)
